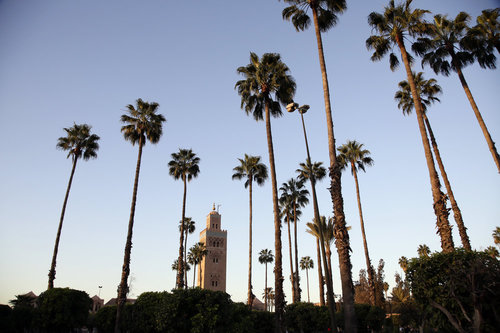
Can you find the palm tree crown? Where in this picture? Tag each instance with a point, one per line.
(487, 30)
(353, 153)
(326, 10)
(79, 142)
(251, 169)
(305, 169)
(266, 82)
(142, 122)
(184, 165)
(427, 90)
(393, 27)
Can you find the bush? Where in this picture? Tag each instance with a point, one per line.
(306, 317)
(368, 318)
(462, 287)
(62, 309)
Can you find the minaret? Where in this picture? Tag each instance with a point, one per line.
(212, 273)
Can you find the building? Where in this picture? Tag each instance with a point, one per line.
(212, 273)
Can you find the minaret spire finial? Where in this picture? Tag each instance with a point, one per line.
(213, 207)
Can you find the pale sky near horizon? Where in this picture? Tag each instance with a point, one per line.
(83, 61)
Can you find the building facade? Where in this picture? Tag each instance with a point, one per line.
(212, 273)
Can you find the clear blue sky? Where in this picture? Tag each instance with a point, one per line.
(84, 61)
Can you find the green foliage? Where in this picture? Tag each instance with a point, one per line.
(62, 309)
(192, 310)
(462, 285)
(306, 317)
(368, 318)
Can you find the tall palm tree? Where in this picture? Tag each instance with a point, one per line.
(312, 229)
(352, 154)
(195, 256)
(315, 172)
(80, 144)
(268, 84)
(307, 263)
(298, 196)
(423, 250)
(266, 257)
(443, 50)
(428, 89)
(250, 169)
(396, 24)
(189, 228)
(184, 165)
(142, 124)
(327, 229)
(324, 13)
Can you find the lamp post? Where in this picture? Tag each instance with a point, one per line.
(329, 286)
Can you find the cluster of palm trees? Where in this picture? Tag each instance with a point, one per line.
(267, 86)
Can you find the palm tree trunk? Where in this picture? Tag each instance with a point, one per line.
(369, 268)
(291, 261)
(265, 290)
(279, 301)
(185, 257)
(438, 197)
(321, 282)
(194, 275)
(296, 273)
(250, 297)
(123, 287)
(486, 133)
(341, 233)
(180, 262)
(456, 211)
(52, 272)
(307, 277)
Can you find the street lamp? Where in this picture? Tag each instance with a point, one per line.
(291, 107)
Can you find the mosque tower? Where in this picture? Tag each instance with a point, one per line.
(212, 273)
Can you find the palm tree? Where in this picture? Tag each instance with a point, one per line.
(496, 236)
(184, 165)
(403, 263)
(250, 169)
(189, 228)
(393, 27)
(268, 83)
(444, 50)
(266, 257)
(492, 252)
(423, 250)
(324, 14)
(315, 171)
(327, 228)
(296, 193)
(80, 144)
(307, 263)
(142, 123)
(352, 154)
(487, 30)
(427, 90)
(195, 256)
